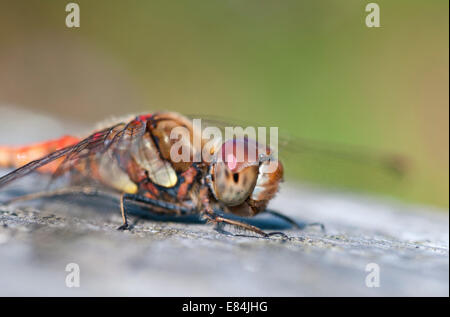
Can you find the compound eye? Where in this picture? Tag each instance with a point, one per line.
(240, 153)
(234, 188)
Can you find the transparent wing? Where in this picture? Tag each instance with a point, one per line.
(104, 146)
(289, 144)
(330, 164)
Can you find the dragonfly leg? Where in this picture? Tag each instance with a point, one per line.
(160, 205)
(217, 219)
(213, 217)
(124, 225)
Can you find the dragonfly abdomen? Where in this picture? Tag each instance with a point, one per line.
(13, 156)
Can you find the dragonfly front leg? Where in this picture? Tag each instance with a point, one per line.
(213, 217)
(218, 219)
(160, 205)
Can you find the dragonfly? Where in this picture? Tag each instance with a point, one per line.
(132, 158)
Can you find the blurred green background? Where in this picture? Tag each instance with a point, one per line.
(310, 67)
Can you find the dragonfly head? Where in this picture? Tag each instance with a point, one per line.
(244, 176)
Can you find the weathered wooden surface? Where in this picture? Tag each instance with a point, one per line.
(168, 258)
(409, 243)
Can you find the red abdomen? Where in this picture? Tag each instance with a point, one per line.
(13, 156)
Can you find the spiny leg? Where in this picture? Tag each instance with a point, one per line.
(160, 204)
(217, 219)
(213, 217)
(124, 225)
